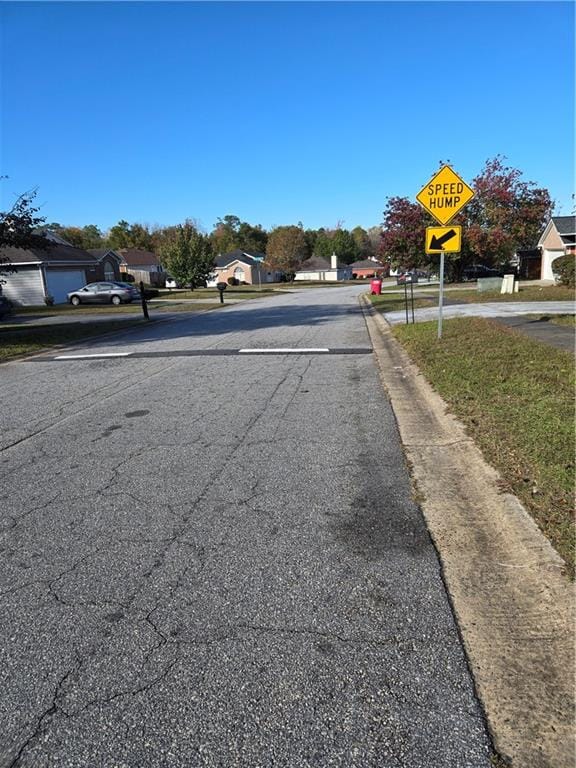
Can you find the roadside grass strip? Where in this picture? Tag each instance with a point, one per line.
(528, 293)
(26, 340)
(569, 320)
(516, 398)
(395, 302)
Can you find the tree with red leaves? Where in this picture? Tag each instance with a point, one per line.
(505, 215)
(403, 232)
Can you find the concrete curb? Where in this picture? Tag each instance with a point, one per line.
(513, 603)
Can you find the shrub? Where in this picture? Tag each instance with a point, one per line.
(564, 268)
(232, 281)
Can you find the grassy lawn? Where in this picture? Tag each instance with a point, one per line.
(516, 398)
(467, 292)
(212, 293)
(569, 320)
(391, 302)
(236, 292)
(25, 340)
(527, 293)
(134, 309)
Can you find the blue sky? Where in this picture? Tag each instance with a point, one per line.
(277, 112)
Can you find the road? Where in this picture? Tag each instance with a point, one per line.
(213, 558)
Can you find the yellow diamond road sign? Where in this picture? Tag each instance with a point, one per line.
(444, 195)
(443, 239)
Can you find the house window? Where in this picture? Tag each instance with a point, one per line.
(239, 274)
(108, 271)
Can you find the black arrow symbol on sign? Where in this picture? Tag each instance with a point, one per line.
(437, 243)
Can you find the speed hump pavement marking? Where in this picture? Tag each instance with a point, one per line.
(444, 195)
(443, 239)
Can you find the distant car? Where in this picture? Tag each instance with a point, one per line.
(104, 293)
(476, 271)
(412, 276)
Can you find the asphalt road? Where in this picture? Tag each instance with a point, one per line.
(214, 559)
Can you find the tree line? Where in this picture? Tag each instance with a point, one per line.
(506, 214)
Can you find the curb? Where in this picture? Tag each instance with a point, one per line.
(512, 602)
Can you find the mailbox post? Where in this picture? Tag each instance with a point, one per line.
(221, 288)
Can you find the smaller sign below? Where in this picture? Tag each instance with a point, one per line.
(443, 239)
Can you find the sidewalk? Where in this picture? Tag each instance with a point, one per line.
(489, 309)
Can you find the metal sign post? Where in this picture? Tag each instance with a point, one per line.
(443, 197)
(406, 300)
(441, 296)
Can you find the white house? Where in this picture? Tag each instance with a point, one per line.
(318, 268)
(558, 239)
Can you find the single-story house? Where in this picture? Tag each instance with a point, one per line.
(369, 268)
(558, 239)
(48, 274)
(246, 267)
(318, 268)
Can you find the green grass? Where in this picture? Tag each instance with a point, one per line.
(236, 292)
(391, 302)
(516, 398)
(569, 320)
(25, 340)
(86, 309)
(527, 293)
(212, 293)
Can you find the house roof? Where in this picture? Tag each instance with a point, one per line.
(318, 264)
(367, 264)
(239, 255)
(134, 257)
(566, 225)
(99, 253)
(55, 253)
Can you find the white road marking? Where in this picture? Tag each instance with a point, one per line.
(83, 357)
(282, 350)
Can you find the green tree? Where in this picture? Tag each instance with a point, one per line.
(230, 233)
(18, 229)
(125, 235)
(339, 241)
(85, 237)
(286, 248)
(188, 255)
(119, 235)
(344, 246)
(363, 243)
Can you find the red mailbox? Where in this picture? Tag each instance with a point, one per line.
(376, 286)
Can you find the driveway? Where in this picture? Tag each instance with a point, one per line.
(211, 555)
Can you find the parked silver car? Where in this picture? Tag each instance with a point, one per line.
(104, 293)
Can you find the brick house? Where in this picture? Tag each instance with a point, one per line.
(245, 267)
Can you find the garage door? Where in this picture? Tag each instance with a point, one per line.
(61, 282)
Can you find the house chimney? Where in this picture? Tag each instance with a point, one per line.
(334, 261)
